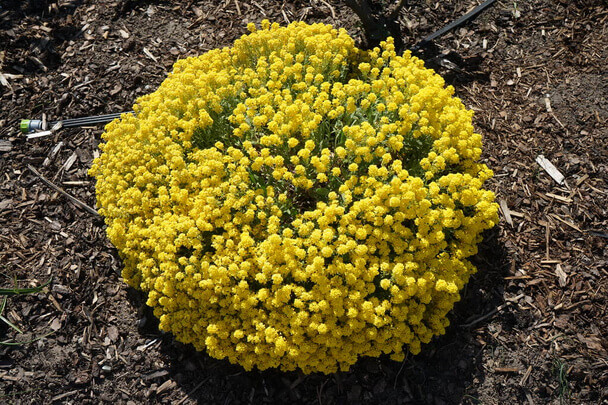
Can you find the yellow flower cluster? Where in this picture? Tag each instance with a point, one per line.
(295, 202)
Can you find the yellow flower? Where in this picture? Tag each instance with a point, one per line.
(267, 200)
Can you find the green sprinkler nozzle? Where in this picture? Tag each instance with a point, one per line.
(28, 126)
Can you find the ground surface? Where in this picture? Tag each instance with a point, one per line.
(532, 327)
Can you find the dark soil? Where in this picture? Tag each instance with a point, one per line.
(532, 327)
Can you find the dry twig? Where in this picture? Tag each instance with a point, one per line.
(61, 191)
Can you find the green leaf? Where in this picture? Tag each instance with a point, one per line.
(322, 193)
(9, 343)
(21, 291)
(9, 323)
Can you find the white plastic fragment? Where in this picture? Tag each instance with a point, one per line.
(39, 134)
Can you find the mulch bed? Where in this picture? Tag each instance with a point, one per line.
(532, 326)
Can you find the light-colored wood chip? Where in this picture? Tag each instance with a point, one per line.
(167, 385)
(149, 55)
(525, 376)
(570, 224)
(70, 161)
(4, 81)
(52, 154)
(5, 146)
(559, 198)
(581, 180)
(548, 104)
(505, 211)
(561, 275)
(517, 214)
(550, 169)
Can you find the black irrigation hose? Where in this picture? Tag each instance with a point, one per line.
(454, 24)
(98, 119)
(32, 125)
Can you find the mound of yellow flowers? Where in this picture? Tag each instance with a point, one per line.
(295, 202)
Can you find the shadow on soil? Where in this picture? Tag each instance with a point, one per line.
(441, 374)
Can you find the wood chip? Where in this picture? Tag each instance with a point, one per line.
(147, 345)
(70, 161)
(592, 342)
(64, 395)
(167, 385)
(570, 224)
(112, 333)
(517, 277)
(561, 275)
(55, 303)
(4, 204)
(581, 180)
(550, 169)
(51, 156)
(547, 240)
(505, 211)
(517, 214)
(548, 103)
(4, 81)
(12, 76)
(525, 376)
(149, 54)
(197, 11)
(156, 374)
(55, 324)
(39, 63)
(85, 83)
(5, 146)
(116, 89)
(559, 198)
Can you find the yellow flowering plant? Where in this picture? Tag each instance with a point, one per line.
(295, 202)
